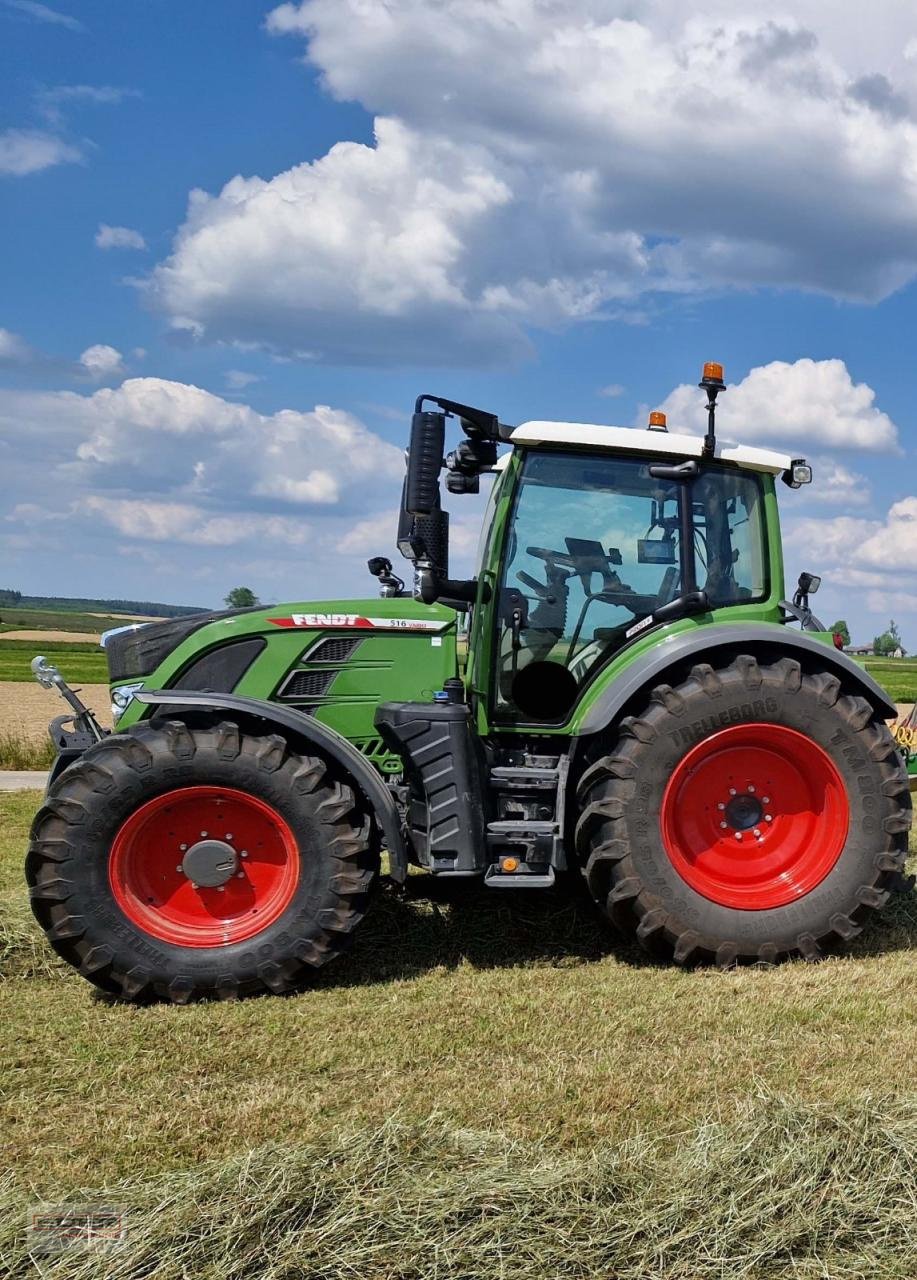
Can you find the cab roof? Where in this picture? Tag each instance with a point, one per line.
(635, 440)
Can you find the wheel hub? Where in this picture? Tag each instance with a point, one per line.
(210, 863)
(743, 812)
(204, 866)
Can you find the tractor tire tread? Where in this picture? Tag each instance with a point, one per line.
(74, 800)
(607, 785)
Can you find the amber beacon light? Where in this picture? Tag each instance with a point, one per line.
(713, 383)
(657, 421)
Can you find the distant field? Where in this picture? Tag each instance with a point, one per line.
(897, 675)
(56, 620)
(81, 661)
(77, 662)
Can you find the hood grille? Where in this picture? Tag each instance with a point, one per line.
(306, 685)
(333, 649)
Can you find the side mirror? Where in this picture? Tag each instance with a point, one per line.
(425, 460)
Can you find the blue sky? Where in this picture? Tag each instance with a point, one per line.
(520, 204)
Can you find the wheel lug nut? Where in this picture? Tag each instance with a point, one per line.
(219, 888)
(724, 825)
(732, 791)
(244, 853)
(183, 847)
(768, 818)
(738, 835)
(751, 791)
(179, 867)
(721, 807)
(757, 832)
(203, 834)
(240, 875)
(765, 799)
(228, 835)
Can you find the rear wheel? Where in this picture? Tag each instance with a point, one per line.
(182, 862)
(752, 812)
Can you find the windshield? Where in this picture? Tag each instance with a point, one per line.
(594, 550)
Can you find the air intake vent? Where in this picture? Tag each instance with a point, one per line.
(334, 649)
(307, 685)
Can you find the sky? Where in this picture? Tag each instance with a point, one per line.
(238, 239)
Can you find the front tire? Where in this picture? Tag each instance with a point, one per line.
(750, 813)
(185, 862)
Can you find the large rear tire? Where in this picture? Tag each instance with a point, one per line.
(183, 862)
(751, 813)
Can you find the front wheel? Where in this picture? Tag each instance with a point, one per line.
(183, 862)
(750, 813)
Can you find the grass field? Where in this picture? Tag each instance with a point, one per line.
(56, 620)
(486, 1087)
(897, 675)
(77, 663)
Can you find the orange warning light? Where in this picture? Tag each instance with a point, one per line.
(713, 372)
(657, 421)
(509, 864)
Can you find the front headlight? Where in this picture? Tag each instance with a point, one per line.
(121, 699)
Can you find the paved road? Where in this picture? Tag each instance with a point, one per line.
(22, 781)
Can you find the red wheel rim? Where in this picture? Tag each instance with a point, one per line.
(755, 816)
(215, 834)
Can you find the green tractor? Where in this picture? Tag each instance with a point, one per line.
(638, 703)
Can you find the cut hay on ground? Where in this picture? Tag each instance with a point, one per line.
(776, 1190)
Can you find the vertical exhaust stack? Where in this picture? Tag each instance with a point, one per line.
(712, 382)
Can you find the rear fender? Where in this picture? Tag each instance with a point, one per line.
(294, 725)
(705, 644)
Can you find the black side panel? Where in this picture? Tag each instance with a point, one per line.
(220, 670)
(137, 653)
(443, 763)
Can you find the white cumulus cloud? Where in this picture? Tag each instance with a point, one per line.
(44, 13)
(108, 237)
(102, 362)
(182, 522)
(543, 162)
(174, 467)
(357, 255)
(809, 405)
(24, 151)
(13, 349)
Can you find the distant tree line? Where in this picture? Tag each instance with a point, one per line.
(883, 646)
(68, 604)
(889, 642)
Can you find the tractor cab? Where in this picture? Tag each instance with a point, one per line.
(594, 537)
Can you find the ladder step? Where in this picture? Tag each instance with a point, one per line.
(522, 828)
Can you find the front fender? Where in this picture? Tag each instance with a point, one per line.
(289, 720)
(703, 644)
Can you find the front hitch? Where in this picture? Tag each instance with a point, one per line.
(75, 732)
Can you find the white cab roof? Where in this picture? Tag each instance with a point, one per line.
(591, 436)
